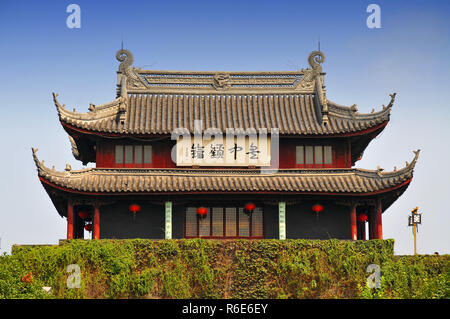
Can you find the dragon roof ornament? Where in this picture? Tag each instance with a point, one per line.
(126, 59)
(315, 59)
(313, 79)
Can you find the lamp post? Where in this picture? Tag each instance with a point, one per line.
(413, 221)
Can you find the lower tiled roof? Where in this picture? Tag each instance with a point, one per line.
(101, 180)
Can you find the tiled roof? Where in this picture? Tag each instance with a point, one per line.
(152, 113)
(339, 181)
(158, 102)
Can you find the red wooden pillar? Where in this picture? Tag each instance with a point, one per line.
(96, 231)
(378, 221)
(353, 221)
(69, 219)
(349, 153)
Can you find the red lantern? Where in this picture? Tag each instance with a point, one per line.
(250, 207)
(88, 227)
(83, 214)
(362, 218)
(317, 208)
(134, 208)
(202, 211)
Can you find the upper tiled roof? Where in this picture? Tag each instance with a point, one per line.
(293, 114)
(158, 102)
(338, 181)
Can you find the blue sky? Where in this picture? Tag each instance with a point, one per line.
(408, 55)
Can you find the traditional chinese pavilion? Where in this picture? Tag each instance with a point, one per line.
(281, 167)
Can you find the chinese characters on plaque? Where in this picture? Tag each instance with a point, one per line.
(222, 151)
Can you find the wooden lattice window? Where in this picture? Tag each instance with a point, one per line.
(224, 222)
(314, 155)
(133, 154)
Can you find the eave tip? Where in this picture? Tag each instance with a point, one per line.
(416, 155)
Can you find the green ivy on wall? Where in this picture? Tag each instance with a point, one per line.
(197, 268)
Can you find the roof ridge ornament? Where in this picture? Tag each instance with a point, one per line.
(408, 165)
(222, 81)
(55, 100)
(408, 169)
(39, 164)
(391, 103)
(315, 59)
(312, 77)
(126, 59)
(380, 171)
(384, 107)
(416, 156)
